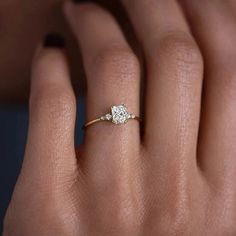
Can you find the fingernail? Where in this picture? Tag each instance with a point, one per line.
(54, 40)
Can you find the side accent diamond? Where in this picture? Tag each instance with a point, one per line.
(108, 116)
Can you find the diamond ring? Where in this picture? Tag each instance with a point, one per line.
(118, 115)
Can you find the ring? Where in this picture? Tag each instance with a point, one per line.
(118, 115)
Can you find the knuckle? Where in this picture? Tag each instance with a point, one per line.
(178, 223)
(125, 211)
(53, 102)
(173, 205)
(118, 63)
(127, 217)
(172, 222)
(179, 217)
(179, 50)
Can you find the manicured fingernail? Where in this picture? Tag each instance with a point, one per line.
(54, 40)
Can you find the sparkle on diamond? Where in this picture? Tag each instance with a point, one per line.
(120, 114)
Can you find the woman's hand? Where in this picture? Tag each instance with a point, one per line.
(177, 178)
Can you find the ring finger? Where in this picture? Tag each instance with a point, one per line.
(112, 78)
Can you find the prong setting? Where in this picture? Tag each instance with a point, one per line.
(119, 113)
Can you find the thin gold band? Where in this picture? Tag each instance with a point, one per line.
(118, 115)
(92, 122)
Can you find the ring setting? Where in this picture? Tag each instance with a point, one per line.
(118, 115)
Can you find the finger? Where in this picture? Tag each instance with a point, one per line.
(50, 151)
(174, 80)
(112, 77)
(213, 23)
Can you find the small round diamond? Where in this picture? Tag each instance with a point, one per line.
(108, 116)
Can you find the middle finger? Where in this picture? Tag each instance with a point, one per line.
(175, 69)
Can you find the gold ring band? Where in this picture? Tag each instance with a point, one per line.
(118, 115)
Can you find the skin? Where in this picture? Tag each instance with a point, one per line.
(21, 31)
(174, 173)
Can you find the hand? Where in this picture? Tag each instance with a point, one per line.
(177, 178)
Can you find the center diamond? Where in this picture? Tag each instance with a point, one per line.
(119, 114)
